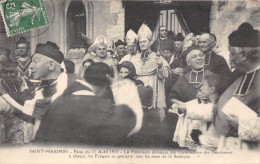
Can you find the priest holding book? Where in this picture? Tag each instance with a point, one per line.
(241, 132)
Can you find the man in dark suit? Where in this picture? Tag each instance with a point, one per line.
(213, 62)
(163, 41)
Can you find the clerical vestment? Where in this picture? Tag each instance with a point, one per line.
(247, 134)
(146, 72)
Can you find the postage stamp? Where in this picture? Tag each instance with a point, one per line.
(23, 15)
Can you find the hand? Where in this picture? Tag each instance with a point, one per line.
(233, 120)
(116, 78)
(179, 104)
(178, 71)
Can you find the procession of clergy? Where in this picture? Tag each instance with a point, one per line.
(172, 93)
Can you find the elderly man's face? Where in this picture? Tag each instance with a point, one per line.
(236, 57)
(22, 50)
(101, 51)
(163, 32)
(195, 60)
(144, 44)
(40, 66)
(131, 48)
(205, 43)
(121, 50)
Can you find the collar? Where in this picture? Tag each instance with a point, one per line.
(163, 38)
(23, 59)
(257, 68)
(207, 58)
(45, 83)
(245, 83)
(196, 77)
(86, 84)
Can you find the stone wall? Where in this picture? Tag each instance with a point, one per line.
(226, 16)
(103, 17)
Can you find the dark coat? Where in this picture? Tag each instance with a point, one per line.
(85, 119)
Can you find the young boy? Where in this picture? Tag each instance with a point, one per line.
(200, 111)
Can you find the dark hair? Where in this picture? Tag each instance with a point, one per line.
(23, 40)
(130, 67)
(70, 66)
(214, 80)
(96, 74)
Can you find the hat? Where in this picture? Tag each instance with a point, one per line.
(50, 50)
(131, 37)
(119, 42)
(99, 40)
(245, 36)
(96, 73)
(130, 67)
(22, 40)
(145, 32)
(179, 37)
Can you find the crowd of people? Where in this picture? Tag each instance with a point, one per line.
(172, 92)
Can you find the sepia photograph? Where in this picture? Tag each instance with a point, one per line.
(128, 81)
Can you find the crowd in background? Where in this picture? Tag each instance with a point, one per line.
(173, 92)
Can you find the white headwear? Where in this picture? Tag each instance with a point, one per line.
(131, 37)
(145, 32)
(99, 40)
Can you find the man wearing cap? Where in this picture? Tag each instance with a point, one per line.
(162, 41)
(131, 45)
(23, 58)
(120, 50)
(46, 67)
(213, 62)
(84, 114)
(241, 132)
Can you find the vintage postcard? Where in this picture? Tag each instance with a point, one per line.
(123, 81)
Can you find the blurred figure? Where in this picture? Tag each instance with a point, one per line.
(171, 35)
(94, 120)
